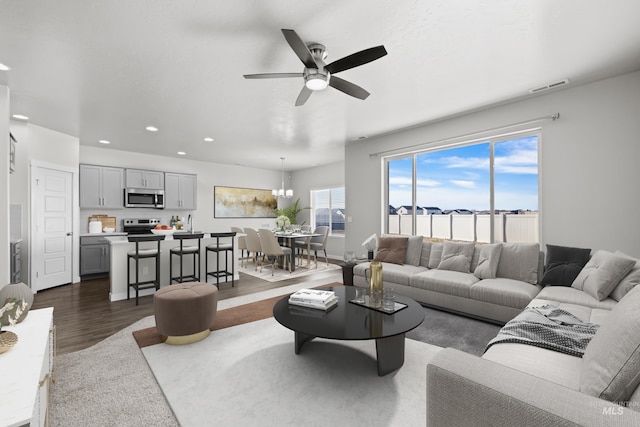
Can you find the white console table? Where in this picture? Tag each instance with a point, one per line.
(26, 371)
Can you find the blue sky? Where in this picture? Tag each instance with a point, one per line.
(458, 178)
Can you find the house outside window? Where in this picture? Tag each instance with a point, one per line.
(484, 191)
(328, 208)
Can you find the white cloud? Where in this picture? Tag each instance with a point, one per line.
(463, 183)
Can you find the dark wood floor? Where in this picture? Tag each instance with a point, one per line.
(84, 316)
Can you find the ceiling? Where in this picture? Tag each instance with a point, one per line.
(100, 69)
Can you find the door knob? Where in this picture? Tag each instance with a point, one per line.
(69, 234)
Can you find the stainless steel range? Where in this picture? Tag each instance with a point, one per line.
(139, 225)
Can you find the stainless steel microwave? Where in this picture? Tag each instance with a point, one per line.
(143, 198)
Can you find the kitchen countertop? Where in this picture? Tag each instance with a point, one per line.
(119, 233)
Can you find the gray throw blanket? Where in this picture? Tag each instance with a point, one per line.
(550, 328)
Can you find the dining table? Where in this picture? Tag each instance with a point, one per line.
(289, 239)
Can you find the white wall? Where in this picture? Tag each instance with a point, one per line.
(317, 178)
(209, 175)
(4, 186)
(588, 164)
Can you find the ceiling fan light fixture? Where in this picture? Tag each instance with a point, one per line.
(316, 81)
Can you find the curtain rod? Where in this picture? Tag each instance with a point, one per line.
(553, 117)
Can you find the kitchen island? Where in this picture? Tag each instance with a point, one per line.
(119, 246)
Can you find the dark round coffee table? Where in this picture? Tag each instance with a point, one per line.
(348, 321)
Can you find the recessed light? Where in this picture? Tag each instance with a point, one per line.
(208, 139)
(4, 67)
(104, 141)
(152, 129)
(20, 117)
(181, 153)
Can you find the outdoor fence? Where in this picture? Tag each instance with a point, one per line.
(514, 228)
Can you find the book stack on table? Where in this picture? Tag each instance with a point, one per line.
(314, 298)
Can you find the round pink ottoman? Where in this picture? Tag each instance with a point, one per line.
(185, 312)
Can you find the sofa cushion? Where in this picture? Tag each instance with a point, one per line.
(505, 292)
(519, 261)
(563, 265)
(488, 258)
(436, 255)
(582, 312)
(602, 273)
(574, 296)
(425, 254)
(444, 281)
(456, 256)
(549, 365)
(629, 281)
(391, 249)
(611, 362)
(391, 273)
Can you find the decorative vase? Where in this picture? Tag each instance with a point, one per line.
(19, 291)
(7, 340)
(375, 283)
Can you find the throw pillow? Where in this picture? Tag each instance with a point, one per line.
(611, 362)
(519, 261)
(456, 256)
(414, 248)
(602, 273)
(391, 249)
(563, 265)
(629, 281)
(488, 261)
(436, 255)
(425, 254)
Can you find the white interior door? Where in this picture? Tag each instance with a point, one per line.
(52, 223)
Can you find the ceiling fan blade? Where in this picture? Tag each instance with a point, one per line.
(356, 59)
(305, 93)
(348, 88)
(300, 48)
(272, 75)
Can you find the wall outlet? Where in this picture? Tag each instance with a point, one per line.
(145, 270)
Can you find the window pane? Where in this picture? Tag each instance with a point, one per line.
(338, 212)
(320, 203)
(400, 191)
(516, 190)
(452, 184)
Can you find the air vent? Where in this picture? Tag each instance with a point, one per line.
(549, 86)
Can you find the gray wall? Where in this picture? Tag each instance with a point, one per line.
(588, 164)
(318, 178)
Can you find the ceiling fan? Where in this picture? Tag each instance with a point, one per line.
(318, 75)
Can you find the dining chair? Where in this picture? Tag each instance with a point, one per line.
(242, 244)
(253, 244)
(271, 248)
(318, 243)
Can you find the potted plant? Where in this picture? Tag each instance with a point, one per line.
(291, 211)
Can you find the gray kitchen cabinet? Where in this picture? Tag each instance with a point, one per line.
(180, 191)
(101, 187)
(94, 255)
(138, 178)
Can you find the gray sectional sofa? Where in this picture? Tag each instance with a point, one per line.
(494, 282)
(519, 384)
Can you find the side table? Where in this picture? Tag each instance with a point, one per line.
(347, 273)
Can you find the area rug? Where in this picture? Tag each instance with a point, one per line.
(281, 274)
(249, 375)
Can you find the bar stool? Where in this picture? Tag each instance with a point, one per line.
(183, 250)
(139, 254)
(217, 248)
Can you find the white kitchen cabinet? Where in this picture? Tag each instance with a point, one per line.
(138, 178)
(101, 187)
(180, 191)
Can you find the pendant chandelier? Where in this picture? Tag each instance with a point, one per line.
(282, 192)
